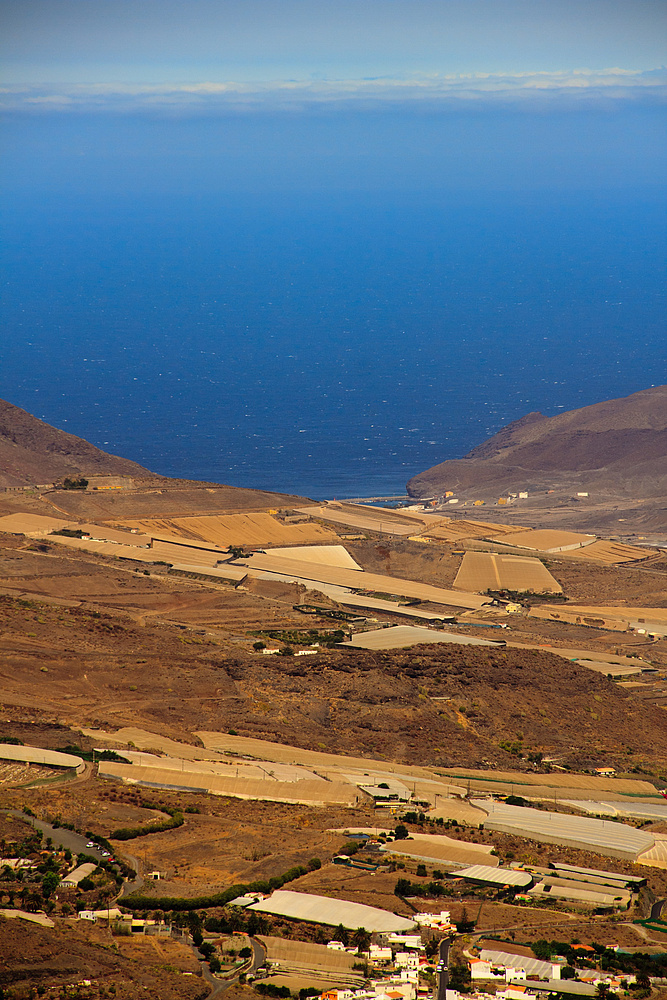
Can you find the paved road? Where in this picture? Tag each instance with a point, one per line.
(656, 909)
(443, 963)
(137, 882)
(61, 837)
(77, 844)
(219, 986)
(258, 955)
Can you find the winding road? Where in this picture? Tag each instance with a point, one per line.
(443, 963)
(219, 986)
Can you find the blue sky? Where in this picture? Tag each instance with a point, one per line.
(165, 55)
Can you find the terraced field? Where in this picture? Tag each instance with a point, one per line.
(223, 530)
(485, 571)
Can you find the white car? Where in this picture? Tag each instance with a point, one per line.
(91, 844)
(106, 854)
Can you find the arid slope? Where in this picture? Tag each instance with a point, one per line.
(617, 447)
(32, 451)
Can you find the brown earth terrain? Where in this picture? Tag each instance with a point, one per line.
(93, 641)
(582, 582)
(615, 451)
(223, 841)
(73, 951)
(32, 451)
(86, 667)
(119, 648)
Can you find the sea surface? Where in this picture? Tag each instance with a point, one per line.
(328, 343)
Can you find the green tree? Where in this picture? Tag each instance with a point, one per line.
(361, 939)
(50, 883)
(401, 832)
(464, 924)
(340, 934)
(459, 977)
(542, 949)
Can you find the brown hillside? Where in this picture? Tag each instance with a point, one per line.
(618, 447)
(32, 451)
(432, 705)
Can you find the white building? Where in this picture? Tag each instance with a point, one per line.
(72, 880)
(405, 941)
(407, 960)
(378, 954)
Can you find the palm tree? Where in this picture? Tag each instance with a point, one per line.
(361, 939)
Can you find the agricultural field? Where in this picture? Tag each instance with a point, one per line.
(223, 530)
(481, 572)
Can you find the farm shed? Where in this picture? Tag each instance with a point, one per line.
(402, 636)
(442, 850)
(655, 811)
(374, 583)
(601, 836)
(594, 875)
(323, 910)
(547, 540)
(36, 755)
(77, 875)
(313, 793)
(576, 893)
(486, 875)
(531, 966)
(33, 525)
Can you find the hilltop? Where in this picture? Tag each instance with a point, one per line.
(616, 449)
(32, 451)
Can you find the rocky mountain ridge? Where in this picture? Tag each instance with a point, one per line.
(617, 447)
(34, 452)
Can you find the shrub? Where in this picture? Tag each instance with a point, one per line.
(271, 990)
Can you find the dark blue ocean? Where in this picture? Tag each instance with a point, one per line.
(331, 325)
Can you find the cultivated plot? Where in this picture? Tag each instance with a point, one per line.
(403, 636)
(223, 530)
(486, 571)
(323, 910)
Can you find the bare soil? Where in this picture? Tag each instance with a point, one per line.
(72, 951)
